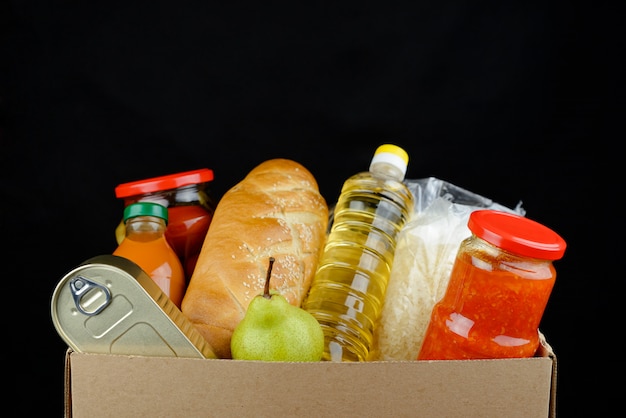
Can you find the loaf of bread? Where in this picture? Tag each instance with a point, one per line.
(275, 211)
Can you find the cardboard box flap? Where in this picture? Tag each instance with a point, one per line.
(545, 350)
(67, 405)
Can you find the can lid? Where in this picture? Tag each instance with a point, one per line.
(392, 154)
(167, 182)
(517, 234)
(145, 209)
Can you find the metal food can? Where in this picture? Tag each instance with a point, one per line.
(109, 305)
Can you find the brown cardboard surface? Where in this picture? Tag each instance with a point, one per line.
(103, 385)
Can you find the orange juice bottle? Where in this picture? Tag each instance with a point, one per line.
(146, 246)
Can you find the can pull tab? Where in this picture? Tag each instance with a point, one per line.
(90, 298)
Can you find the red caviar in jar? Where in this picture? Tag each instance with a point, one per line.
(498, 290)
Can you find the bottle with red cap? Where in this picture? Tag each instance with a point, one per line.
(190, 209)
(498, 290)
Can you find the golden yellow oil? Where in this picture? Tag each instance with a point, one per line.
(349, 287)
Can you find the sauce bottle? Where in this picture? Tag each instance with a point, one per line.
(498, 290)
(190, 209)
(146, 246)
(348, 289)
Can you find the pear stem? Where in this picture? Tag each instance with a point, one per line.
(266, 291)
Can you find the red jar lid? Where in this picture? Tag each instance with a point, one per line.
(517, 234)
(168, 182)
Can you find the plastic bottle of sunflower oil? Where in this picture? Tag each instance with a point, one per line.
(348, 290)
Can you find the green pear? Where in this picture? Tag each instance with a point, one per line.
(274, 330)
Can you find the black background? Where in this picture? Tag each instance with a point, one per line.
(513, 102)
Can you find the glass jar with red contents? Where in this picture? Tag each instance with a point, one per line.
(189, 206)
(498, 290)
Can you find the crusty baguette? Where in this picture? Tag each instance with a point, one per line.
(275, 211)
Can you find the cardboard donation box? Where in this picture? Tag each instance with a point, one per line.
(103, 385)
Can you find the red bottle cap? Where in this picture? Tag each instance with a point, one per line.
(517, 234)
(168, 182)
